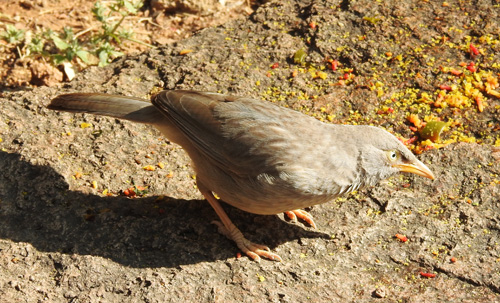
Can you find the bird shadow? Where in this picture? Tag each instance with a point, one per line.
(36, 206)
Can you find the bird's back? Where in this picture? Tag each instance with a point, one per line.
(251, 152)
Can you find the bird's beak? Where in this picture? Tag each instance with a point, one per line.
(417, 168)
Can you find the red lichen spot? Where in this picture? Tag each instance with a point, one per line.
(335, 64)
(134, 191)
(415, 120)
(480, 105)
(411, 140)
(385, 110)
(473, 50)
(185, 52)
(445, 87)
(401, 237)
(129, 192)
(427, 274)
(472, 67)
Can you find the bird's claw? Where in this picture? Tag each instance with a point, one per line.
(301, 214)
(253, 250)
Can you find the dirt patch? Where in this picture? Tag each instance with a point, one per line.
(157, 23)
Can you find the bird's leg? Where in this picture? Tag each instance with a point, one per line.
(301, 214)
(254, 251)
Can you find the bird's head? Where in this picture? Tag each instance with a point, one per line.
(383, 155)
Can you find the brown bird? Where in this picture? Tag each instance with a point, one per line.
(257, 156)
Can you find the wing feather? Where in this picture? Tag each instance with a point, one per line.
(240, 135)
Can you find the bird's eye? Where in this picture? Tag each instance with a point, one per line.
(392, 155)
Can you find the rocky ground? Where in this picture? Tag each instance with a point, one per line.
(69, 234)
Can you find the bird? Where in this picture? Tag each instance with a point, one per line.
(257, 156)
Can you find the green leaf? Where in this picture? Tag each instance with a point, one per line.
(433, 130)
(125, 34)
(103, 58)
(99, 12)
(36, 45)
(58, 59)
(130, 7)
(68, 33)
(115, 54)
(12, 34)
(60, 44)
(84, 55)
(299, 56)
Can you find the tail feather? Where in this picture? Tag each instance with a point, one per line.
(128, 108)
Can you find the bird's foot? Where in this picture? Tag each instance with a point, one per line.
(301, 214)
(253, 250)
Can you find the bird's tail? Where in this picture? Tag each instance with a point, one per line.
(128, 108)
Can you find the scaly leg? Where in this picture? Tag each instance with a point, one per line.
(301, 214)
(232, 232)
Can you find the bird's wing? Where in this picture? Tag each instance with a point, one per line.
(240, 135)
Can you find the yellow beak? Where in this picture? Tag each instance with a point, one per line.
(417, 168)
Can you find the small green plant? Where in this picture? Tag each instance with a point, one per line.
(69, 47)
(89, 47)
(109, 33)
(12, 34)
(36, 45)
(105, 52)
